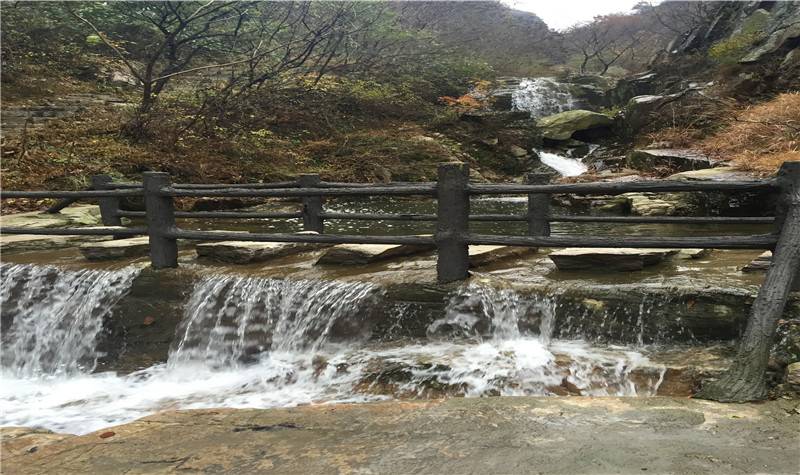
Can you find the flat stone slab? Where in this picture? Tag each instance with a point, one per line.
(71, 216)
(244, 252)
(605, 259)
(516, 435)
(360, 254)
(692, 253)
(116, 249)
(482, 255)
(760, 263)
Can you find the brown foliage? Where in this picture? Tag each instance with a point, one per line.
(761, 137)
(756, 138)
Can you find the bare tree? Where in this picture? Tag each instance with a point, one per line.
(248, 43)
(604, 41)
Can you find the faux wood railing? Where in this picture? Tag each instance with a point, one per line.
(452, 238)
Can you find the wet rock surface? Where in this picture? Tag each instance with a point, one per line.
(360, 254)
(473, 435)
(243, 252)
(674, 159)
(116, 249)
(605, 259)
(564, 125)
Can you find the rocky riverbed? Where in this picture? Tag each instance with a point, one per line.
(494, 435)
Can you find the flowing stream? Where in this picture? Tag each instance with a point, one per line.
(257, 342)
(566, 166)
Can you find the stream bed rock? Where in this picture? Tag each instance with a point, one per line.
(517, 434)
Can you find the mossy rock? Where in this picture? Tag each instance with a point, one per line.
(563, 125)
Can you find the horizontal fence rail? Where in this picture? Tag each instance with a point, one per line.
(604, 188)
(452, 191)
(424, 190)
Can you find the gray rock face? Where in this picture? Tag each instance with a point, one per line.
(605, 259)
(672, 158)
(793, 374)
(639, 109)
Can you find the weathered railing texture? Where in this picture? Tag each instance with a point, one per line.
(452, 238)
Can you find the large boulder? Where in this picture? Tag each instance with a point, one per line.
(562, 126)
(639, 110)
(670, 158)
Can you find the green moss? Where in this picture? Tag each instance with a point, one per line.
(734, 48)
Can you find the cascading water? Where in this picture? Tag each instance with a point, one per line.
(228, 319)
(55, 316)
(253, 342)
(566, 166)
(542, 97)
(517, 356)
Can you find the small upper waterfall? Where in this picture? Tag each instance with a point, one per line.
(55, 316)
(566, 166)
(542, 97)
(229, 319)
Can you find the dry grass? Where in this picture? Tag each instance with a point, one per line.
(756, 138)
(761, 137)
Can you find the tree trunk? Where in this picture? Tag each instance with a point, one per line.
(745, 380)
(136, 128)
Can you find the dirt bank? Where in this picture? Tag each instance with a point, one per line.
(491, 435)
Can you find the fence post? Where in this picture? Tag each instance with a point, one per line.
(746, 379)
(312, 205)
(160, 221)
(538, 206)
(108, 205)
(789, 182)
(452, 222)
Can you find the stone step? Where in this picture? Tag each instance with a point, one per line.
(359, 254)
(482, 255)
(760, 263)
(606, 259)
(38, 242)
(245, 252)
(116, 249)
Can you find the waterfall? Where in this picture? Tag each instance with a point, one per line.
(515, 355)
(230, 319)
(247, 342)
(542, 97)
(564, 165)
(498, 312)
(55, 316)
